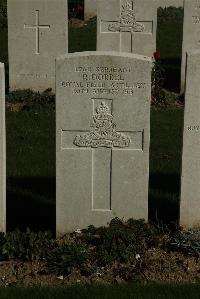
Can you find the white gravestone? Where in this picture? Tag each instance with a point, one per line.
(190, 181)
(191, 33)
(90, 6)
(90, 9)
(127, 26)
(37, 34)
(2, 152)
(103, 127)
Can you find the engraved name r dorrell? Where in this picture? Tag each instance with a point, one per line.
(103, 133)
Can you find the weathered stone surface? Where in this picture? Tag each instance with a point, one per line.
(168, 3)
(127, 26)
(191, 33)
(190, 186)
(90, 9)
(91, 6)
(103, 126)
(37, 34)
(2, 152)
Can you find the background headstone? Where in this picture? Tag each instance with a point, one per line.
(191, 33)
(127, 26)
(190, 184)
(103, 127)
(37, 34)
(90, 9)
(2, 152)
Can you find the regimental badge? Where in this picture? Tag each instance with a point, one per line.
(103, 133)
(127, 20)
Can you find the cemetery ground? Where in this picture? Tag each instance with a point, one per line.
(31, 203)
(125, 251)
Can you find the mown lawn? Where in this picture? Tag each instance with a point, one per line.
(31, 167)
(31, 171)
(4, 45)
(169, 43)
(31, 144)
(83, 38)
(126, 291)
(165, 164)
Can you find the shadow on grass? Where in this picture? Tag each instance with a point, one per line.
(83, 38)
(31, 203)
(164, 198)
(4, 53)
(172, 74)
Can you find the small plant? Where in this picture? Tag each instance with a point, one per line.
(187, 242)
(26, 246)
(65, 258)
(119, 242)
(157, 79)
(115, 252)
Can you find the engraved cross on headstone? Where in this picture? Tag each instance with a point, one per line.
(127, 24)
(102, 140)
(37, 28)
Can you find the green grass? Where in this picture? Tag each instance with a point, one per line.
(31, 142)
(169, 40)
(4, 45)
(165, 164)
(31, 167)
(169, 43)
(166, 140)
(34, 134)
(84, 38)
(126, 291)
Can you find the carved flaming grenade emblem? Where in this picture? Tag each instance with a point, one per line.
(103, 133)
(127, 20)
